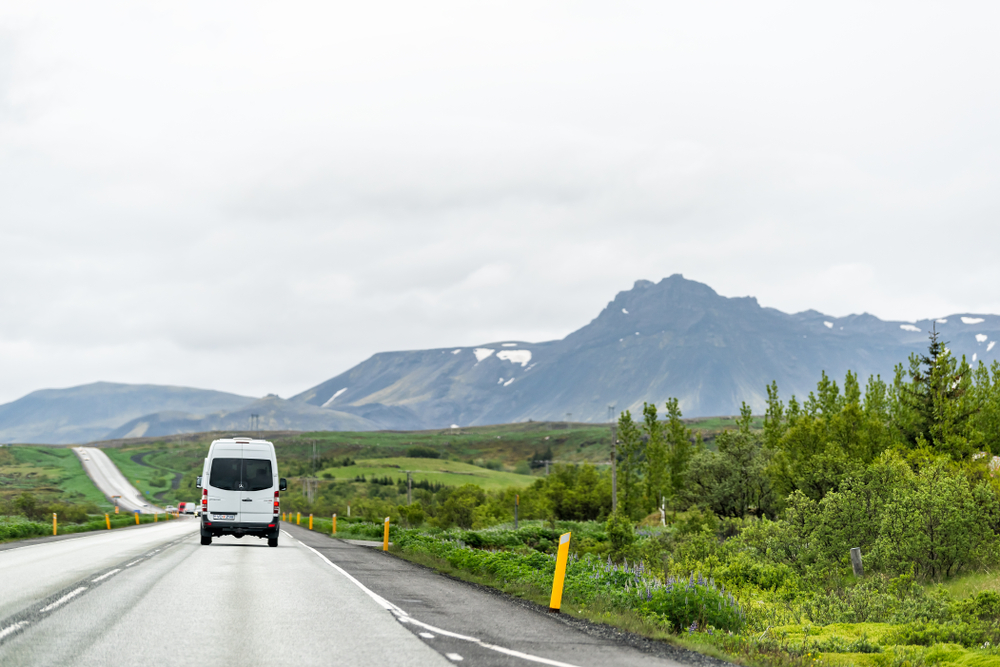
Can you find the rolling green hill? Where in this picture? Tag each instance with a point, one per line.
(435, 471)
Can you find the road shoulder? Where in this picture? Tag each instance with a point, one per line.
(491, 615)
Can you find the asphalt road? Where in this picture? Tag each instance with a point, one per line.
(109, 479)
(155, 596)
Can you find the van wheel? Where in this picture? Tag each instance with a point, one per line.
(272, 541)
(206, 540)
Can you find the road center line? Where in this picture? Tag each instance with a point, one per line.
(64, 598)
(107, 574)
(403, 617)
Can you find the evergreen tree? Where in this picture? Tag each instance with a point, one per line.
(657, 458)
(630, 468)
(937, 403)
(678, 438)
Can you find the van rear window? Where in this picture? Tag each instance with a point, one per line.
(241, 474)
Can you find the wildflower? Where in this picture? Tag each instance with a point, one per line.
(693, 628)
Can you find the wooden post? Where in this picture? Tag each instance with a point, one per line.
(517, 500)
(859, 569)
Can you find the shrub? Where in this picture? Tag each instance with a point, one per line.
(422, 453)
(620, 532)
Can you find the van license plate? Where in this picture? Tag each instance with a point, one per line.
(223, 517)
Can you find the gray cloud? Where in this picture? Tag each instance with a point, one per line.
(255, 200)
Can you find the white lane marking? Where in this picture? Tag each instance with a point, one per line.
(426, 635)
(381, 601)
(403, 617)
(63, 599)
(133, 563)
(492, 647)
(454, 657)
(10, 629)
(107, 574)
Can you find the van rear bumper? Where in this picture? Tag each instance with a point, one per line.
(216, 528)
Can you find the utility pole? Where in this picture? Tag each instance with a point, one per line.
(309, 488)
(546, 462)
(409, 487)
(614, 460)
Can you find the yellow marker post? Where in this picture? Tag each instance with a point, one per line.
(310, 522)
(156, 517)
(53, 523)
(385, 536)
(116, 509)
(137, 518)
(334, 530)
(107, 520)
(557, 583)
(298, 518)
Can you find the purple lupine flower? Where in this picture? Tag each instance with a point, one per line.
(694, 627)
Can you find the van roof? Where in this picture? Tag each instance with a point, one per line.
(237, 440)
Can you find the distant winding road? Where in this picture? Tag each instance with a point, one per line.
(109, 479)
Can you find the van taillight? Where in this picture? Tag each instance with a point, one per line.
(204, 500)
(275, 503)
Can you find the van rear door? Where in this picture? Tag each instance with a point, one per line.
(224, 482)
(259, 484)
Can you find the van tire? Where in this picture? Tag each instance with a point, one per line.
(272, 541)
(206, 540)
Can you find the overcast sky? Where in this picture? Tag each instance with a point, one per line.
(254, 197)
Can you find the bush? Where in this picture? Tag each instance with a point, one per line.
(692, 605)
(422, 453)
(620, 532)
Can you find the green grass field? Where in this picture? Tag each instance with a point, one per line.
(50, 473)
(449, 473)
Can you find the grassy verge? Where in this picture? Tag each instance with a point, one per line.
(18, 528)
(519, 563)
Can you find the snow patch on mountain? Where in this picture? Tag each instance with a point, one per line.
(909, 327)
(330, 400)
(482, 353)
(522, 357)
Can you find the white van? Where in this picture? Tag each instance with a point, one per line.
(240, 486)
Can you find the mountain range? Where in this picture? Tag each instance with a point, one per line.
(676, 338)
